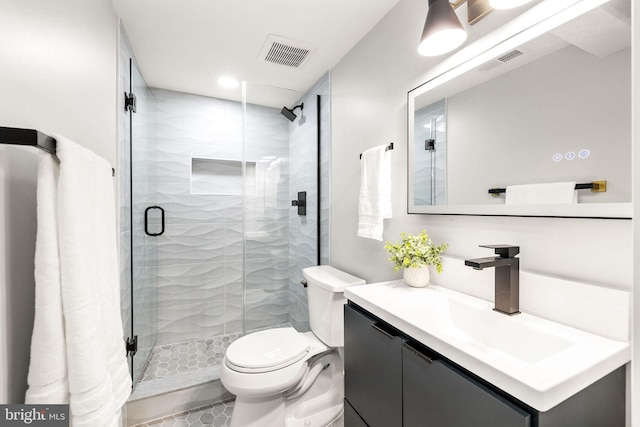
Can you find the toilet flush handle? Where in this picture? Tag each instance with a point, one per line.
(303, 283)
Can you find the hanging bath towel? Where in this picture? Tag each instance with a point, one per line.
(374, 203)
(77, 347)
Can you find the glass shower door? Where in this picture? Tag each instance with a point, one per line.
(147, 220)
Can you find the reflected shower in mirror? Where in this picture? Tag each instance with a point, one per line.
(430, 154)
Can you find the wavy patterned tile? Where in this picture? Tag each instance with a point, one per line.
(264, 309)
(182, 207)
(197, 118)
(233, 315)
(189, 283)
(266, 239)
(266, 275)
(190, 321)
(189, 243)
(234, 284)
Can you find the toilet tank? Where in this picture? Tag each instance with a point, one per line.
(325, 293)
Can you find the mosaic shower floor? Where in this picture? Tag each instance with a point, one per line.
(186, 356)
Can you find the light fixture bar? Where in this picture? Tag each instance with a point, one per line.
(539, 20)
(476, 10)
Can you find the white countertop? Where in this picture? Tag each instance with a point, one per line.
(537, 361)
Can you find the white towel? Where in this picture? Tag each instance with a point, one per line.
(375, 192)
(551, 193)
(89, 354)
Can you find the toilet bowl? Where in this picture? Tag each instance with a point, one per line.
(285, 378)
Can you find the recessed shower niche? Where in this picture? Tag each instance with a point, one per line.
(222, 177)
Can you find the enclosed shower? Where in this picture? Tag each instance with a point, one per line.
(212, 240)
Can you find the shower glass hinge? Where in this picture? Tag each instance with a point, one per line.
(132, 345)
(129, 102)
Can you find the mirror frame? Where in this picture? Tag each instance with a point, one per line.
(541, 18)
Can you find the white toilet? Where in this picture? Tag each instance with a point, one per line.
(285, 378)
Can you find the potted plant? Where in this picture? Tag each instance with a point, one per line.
(415, 254)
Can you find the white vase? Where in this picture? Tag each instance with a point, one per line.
(418, 277)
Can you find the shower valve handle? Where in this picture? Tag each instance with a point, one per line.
(301, 203)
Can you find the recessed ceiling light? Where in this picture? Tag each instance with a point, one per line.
(228, 82)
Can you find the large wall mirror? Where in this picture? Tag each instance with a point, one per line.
(522, 110)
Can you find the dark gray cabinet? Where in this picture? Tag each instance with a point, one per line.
(373, 369)
(392, 380)
(436, 394)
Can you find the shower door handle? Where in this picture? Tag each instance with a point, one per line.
(146, 221)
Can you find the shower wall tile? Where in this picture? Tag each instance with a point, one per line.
(234, 242)
(199, 119)
(234, 315)
(266, 275)
(189, 283)
(266, 239)
(197, 320)
(145, 290)
(264, 309)
(191, 243)
(234, 280)
(183, 207)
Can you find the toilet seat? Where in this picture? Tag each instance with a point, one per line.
(267, 350)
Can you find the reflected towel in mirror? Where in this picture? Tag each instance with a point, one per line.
(548, 193)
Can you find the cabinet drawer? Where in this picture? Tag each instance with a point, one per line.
(373, 369)
(436, 394)
(351, 417)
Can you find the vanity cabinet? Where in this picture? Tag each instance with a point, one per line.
(437, 394)
(393, 380)
(373, 370)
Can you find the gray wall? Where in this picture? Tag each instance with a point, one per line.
(59, 77)
(369, 87)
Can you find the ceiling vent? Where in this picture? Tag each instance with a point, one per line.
(500, 60)
(509, 55)
(283, 51)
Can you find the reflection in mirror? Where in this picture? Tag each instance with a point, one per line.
(430, 155)
(556, 108)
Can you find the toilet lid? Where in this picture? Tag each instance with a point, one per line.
(267, 350)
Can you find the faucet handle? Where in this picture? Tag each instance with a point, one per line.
(505, 251)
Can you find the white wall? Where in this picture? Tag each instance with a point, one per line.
(57, 74)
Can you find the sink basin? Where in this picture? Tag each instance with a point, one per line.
(537, 361)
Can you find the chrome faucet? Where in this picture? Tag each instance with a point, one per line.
(507, 278)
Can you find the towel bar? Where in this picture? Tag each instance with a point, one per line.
(595, 187)
(389, 147)
(31, 138)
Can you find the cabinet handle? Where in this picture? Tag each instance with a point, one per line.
(420, 354)
(382, 331)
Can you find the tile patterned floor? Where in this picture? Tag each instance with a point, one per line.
(218, 415)
(174, 359)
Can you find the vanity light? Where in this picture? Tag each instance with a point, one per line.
(507, 4)
(443, 31)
